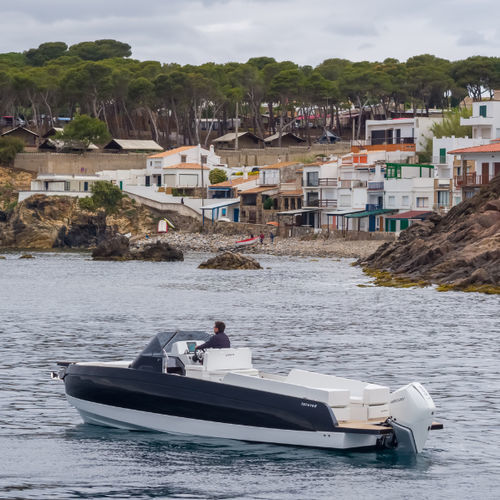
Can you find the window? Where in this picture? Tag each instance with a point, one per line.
(312, 199)
(442, 155)
(482, 110)
(85, 186)
(312, 178)
(443, 198)
(286, 203)
(345, 200)
(224, 212)
(204, 159)
(405, 201)
(391, 202)
(67, 186)
(422, 202)
(183, 158)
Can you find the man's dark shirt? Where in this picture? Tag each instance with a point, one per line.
(217, 341)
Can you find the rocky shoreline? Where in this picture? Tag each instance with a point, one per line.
(293, 247)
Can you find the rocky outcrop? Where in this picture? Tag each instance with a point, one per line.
(229, 261)
(44, 222)
(460, 250)
(118, 247)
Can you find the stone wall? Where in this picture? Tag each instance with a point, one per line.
(269, 156)
(73, 164)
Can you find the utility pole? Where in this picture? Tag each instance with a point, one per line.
(236, 139)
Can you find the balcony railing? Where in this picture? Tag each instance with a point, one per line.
(327, 203)
(375, 186)
(326, 181)
(472, 179)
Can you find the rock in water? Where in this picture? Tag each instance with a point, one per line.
(157, 252)
(117, 247)
(229, 261)
(113, 248)
(460, 250)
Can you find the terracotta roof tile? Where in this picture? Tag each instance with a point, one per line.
(185, 166)
(259, 189)
(171, 152)
(231, 183)
(280, 165)
(485, 148)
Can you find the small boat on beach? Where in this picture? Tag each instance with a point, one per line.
(247, 242)
(171, 387)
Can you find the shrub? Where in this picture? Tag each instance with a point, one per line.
(9, 147)
(106, 195)
(268, 204)
(87, 204)
(217, 175)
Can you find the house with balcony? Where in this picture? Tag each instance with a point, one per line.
(477, 166)
(278, 186)
(185, 155)
(485, 120)
(410, 133)
(408, 187)
(319, 184)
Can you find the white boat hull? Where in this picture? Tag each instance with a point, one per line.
(124, 418)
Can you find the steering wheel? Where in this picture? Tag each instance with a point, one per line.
(198, 356)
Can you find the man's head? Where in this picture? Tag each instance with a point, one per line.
(219, 326)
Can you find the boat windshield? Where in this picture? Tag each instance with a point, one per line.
(163, 340)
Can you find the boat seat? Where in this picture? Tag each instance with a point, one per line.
(332, 397)
(361, 393)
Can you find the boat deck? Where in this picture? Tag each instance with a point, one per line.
(371, 427)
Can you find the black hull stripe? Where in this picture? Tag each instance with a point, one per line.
(196, 399)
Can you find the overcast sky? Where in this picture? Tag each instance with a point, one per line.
(304, 31)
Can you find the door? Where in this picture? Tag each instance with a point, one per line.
(148, 181)
(497, 169)
(158, 180)
(371, 223)
(485, 173)
(236, 215)
(403, 224)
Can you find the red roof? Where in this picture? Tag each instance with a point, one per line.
(494, 147)
(412, 214)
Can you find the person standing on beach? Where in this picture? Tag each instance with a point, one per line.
(271, 235)
(261, 238)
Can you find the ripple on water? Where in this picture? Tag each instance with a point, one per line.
(294, 313)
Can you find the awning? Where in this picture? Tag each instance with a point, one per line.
(412, 214)
(341, 213)
(226, 203)
(367, 213)
(299, 211)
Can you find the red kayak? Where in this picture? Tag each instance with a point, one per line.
(247, 242)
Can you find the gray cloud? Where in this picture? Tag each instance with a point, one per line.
(196, 31)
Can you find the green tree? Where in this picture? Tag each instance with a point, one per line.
(100, 49)
(9, 147)
(104, 195)
(45, 52)
(451, 124)
(217, 175)
(84, 130)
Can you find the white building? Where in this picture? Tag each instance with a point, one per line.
(485, 120)
(185, 155)
(61, 185)
(478, 165)
(400, 131)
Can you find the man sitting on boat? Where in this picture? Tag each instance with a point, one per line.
(219, 340)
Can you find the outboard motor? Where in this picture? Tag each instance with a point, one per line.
(412, 414)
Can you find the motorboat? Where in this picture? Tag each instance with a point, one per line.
(172, 387)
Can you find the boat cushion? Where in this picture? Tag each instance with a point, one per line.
(331, 397)
(361, 392)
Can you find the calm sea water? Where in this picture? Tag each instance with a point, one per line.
(295, 313)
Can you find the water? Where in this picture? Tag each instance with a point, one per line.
(296, 313)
